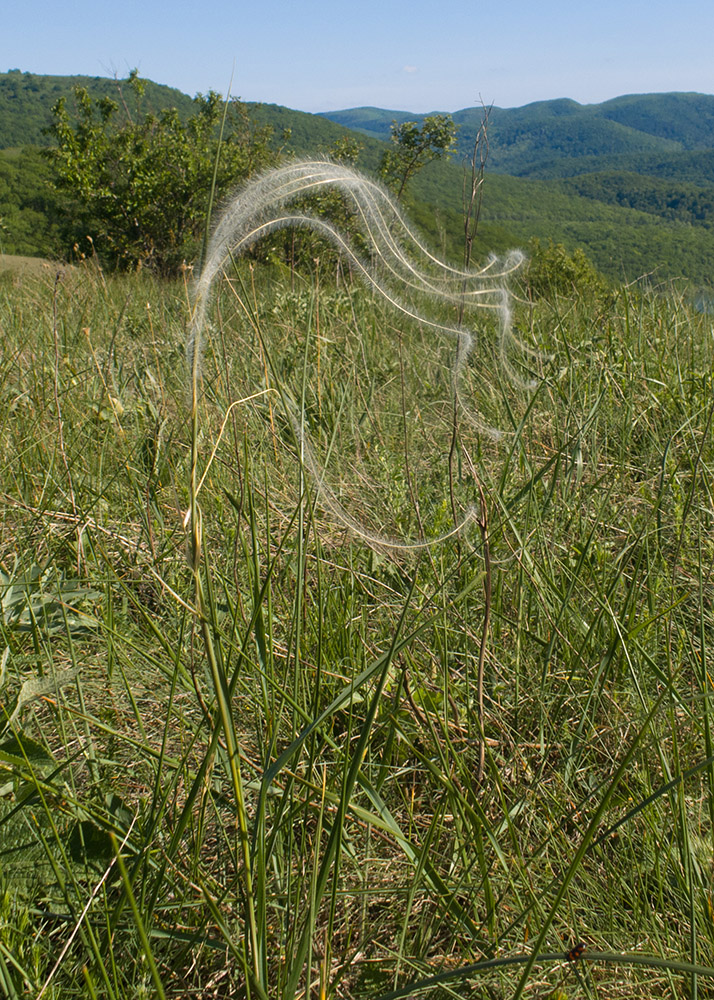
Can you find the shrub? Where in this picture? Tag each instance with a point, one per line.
(552, 270)
(139, 190)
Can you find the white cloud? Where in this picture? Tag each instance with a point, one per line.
(409, 69)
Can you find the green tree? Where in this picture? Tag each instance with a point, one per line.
(138, 190)
(346, 149)
(414, 146)
(551, 271)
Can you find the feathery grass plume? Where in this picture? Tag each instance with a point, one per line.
(400, 268)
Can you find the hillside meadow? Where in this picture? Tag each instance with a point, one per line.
(329, 761)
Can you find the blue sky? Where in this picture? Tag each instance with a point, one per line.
(425, 55)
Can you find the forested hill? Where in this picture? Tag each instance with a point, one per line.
(555, 138)
(27, 99)
(631, 181)
(559, 138)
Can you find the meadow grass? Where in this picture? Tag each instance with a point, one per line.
(273, 788)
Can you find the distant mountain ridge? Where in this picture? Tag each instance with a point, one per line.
(545, 139)
(535, 139)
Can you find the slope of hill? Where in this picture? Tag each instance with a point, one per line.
(543, 133)
(631, 180)
(26, 101)
(625, 240)
(676, 201)
(684, 118)
(312, 135)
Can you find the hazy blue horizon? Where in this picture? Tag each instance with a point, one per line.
(383, 54)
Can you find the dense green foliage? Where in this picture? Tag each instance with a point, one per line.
(30, 209)
(552, 272)
(138, 189)
(27, 100)
(633, 212)
(675, 201)
(328, 832)
(311, 135)
(413, 146)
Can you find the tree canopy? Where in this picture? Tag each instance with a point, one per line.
(413, 146)
(138, 186)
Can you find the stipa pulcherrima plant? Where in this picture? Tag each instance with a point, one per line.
(405, 274)
(400, 269)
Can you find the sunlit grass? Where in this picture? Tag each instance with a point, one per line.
(375, 858)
